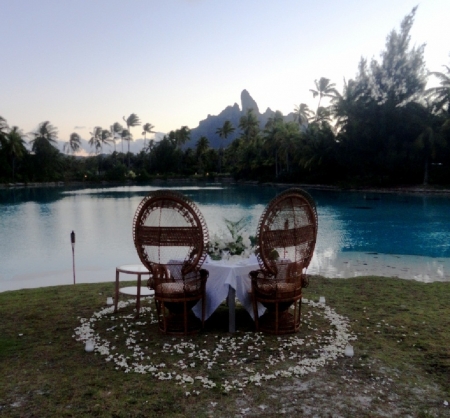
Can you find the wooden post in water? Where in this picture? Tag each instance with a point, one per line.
(72, 240)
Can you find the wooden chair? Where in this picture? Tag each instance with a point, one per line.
(171, 238)
(286, 238)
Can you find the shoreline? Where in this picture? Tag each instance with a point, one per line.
(367, 189)
(337, 266)
(415, 189)
(334, 265)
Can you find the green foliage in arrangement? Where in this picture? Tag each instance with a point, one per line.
(234, 241)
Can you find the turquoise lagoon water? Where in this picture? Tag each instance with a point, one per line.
(35, 226)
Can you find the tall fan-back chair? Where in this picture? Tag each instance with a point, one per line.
(171, 238)
(286, 238)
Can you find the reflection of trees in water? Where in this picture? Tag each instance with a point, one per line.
(30, 194)
(239, 195)
(201, 193)
(395, 223)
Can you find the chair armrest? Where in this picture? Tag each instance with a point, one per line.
(254, 274)
(260, 274)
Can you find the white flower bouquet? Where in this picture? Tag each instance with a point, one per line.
(234, 241)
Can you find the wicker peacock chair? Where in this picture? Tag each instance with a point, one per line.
(286, 239)
(171, 238)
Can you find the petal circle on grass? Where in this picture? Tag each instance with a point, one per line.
(226, 362)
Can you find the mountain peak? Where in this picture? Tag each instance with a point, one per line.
(247, 102)
(208, 127)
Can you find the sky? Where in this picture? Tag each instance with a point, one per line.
(86, 63)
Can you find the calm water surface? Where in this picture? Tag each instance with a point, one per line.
(35, 225)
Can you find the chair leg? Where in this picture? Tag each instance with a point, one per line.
(255, 311)
(255, 306)
(203, 311)
(276, 318)
(185, 319)
(163, 310)
(158, 311)
(299, 312)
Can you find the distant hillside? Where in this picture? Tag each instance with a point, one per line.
(208, 126)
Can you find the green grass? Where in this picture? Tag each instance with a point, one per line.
(399, 322)
(402, 329)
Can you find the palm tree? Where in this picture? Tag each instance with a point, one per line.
(441, 94)
(150, 146)
(44, 137)
(201, 148)
(182, 135)
(323, 115)
(317, 148)
(73, 144)
(226, 129)
(99, 138)
(125, 136)
(3, 129)
(290, 139)
(116, 128)
(48, 163)
(323, 89)
(131, 121)
(347, 104)
(15, 145)
(302, 114)
(202, 145)
(249, 125)
(95, 141)
(273, 135)
(147, 129)
(105, 138)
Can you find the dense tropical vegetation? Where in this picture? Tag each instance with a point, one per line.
(385, 127)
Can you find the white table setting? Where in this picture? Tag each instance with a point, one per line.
(229, 278)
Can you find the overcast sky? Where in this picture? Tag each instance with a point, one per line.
(86, 63)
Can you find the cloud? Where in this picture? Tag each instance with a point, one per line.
(79, 127)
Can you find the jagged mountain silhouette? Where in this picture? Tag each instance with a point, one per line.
(208, 126)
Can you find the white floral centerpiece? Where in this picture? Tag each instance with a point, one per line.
(233, 242)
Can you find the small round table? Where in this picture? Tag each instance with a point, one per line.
(138, 290)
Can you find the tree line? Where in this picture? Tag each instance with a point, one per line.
(385, 127)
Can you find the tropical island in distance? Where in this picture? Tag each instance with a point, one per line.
(384, 129)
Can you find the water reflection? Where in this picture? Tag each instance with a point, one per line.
(394, 224)
(354, 229)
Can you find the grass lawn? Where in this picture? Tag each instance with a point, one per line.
(401, 365)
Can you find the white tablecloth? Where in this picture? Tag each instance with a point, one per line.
(224, 274)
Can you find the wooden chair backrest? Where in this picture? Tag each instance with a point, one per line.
(169, 230)
(287, 233)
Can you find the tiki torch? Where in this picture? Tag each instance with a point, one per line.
(72, 240)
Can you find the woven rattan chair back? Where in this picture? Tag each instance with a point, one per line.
(286, 239)
(287, 230)
(171, 239)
